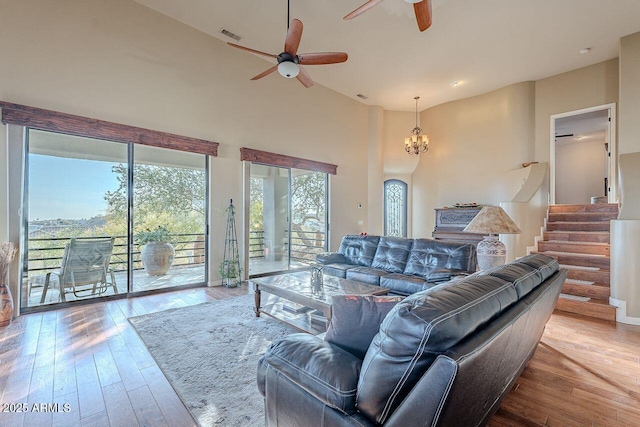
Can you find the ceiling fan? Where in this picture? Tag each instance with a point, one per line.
(422, 8)
(289, 61)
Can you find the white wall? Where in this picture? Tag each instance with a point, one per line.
(119, 61)
(580, 171)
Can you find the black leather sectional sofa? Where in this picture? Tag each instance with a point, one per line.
(405, 266)
(445, 356)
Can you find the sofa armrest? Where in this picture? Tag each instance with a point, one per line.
(325, 371)
(423, 404)
(331, 258)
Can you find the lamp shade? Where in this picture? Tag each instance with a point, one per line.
(492, 220)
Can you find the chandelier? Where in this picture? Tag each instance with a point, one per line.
(416, 143)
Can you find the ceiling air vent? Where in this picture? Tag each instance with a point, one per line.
(361, 96)
(230, 34)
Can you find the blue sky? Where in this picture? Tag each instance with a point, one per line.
(68, 188)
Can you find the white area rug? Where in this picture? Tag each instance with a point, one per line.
(209, 353)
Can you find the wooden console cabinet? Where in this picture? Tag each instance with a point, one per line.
(451, 221)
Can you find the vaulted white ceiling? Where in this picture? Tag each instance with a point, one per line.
(482, 44)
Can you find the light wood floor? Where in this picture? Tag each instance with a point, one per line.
(585, 372)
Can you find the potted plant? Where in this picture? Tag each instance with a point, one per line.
(230, 272)
(157, 251)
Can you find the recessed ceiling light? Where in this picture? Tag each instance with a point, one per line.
(454, 83)
(585, 50)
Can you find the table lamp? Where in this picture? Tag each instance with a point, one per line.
(492, 220)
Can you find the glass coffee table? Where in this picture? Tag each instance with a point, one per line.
(297, 289)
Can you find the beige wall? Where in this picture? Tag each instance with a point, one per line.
(582, 88)
(580, 171)
(629, 114)
(119, 61)
(474, 143)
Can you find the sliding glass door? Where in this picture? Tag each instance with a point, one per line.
(287, 218)
(70, 219)
(169, 218)
(107, 218)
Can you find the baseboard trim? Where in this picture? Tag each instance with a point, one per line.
(621, 312)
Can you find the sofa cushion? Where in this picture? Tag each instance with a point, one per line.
(427, 255)
(327, 372)
(359, 250)
(420, 328)
(392, 254)
(403, 284)
(355, 320)
(337, 270)
(525, 273)
(331, 258)
(365, 275)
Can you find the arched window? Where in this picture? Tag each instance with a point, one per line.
(395, 208)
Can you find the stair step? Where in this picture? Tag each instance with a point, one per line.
(600, 277)
(596, 207)
(597, 261)
(575, 247)
(577, 236)
(578, 226)
(582, 216)
(586, 290)
(592, 307)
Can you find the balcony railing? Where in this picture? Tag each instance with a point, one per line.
(304, 245)
(45, 254)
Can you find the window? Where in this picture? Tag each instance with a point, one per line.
(395, 208)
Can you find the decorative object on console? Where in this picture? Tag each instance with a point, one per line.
(492, 220)
(416, 143)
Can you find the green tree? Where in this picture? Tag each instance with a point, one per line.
(169, 196)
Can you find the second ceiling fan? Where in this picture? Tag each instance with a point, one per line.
(422, 9)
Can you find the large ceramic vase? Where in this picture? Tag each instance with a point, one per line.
(157, 258)
(6, 306)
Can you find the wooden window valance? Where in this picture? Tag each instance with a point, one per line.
(281, 160)
(37, 118)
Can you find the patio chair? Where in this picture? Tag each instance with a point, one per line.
(85, 262)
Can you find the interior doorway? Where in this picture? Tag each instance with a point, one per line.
(583, 156)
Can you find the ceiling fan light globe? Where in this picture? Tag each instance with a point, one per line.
(288, 69)
(413, 1)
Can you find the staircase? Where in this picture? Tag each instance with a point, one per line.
(578, 237)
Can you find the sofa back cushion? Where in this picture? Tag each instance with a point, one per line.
(420, 328)
(427, 255)
(392, 254)
(359, 250)
(526, 273)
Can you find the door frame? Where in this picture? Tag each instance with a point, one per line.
(610, 138)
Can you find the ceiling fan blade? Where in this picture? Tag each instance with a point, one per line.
(304, 78)
(252, 50)
(294, 35)
(320, 58)
(423, 14)
(362, 9)
(265, 73)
